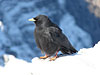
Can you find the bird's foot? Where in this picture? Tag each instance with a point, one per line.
(53, 58)
(44, 57)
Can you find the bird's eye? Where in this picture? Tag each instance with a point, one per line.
(36, 19)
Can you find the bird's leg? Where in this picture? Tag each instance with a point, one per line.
(44, 57)
(54, 58)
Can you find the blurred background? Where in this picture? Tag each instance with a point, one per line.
(79, 20)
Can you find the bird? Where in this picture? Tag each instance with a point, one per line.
(50, 39)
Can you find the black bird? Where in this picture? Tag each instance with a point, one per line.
(49, 38)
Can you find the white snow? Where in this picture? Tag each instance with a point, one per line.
(1, 26)
(85, 62)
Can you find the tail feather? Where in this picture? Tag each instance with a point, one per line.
(68, 51)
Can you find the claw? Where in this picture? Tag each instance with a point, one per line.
(53, 58)
(44, 57)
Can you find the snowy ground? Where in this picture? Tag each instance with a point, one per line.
(85, 62)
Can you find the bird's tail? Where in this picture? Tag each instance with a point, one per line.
(68, 51)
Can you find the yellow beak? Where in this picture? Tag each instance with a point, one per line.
(32, 19)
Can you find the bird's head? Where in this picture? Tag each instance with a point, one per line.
(40, 20)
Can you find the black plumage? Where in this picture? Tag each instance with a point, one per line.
(49, 37)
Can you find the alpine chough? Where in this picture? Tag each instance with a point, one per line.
(50, 39)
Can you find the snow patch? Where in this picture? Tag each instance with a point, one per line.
(85, 62)
(1, 26)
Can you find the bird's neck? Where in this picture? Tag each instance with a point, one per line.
(39, 28)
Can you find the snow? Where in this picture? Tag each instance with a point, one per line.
(85, 62)
(1, 26)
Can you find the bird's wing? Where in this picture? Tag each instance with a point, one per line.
(57, 37)
(55, 34)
